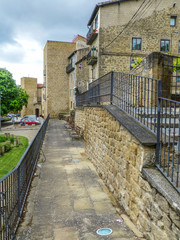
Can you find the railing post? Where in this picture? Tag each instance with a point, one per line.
(158, 123)
(18, 191)
(112, 76)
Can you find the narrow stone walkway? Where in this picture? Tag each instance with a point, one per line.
(68, 201)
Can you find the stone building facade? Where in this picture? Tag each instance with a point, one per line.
(115, 37)
(82, 70)
(56, 80)
(60, 75)
(72, 69)
(34, 91)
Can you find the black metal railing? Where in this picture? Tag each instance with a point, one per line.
(170, 76)
(168, 140)
(92, 57)
(14, 187)
(91, 35)
(141, 98)
(135, 95)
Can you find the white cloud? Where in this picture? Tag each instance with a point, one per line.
(27, 25)
(26, 56)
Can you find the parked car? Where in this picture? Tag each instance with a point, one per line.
(29, 122)
(32, 117)
(11, 115)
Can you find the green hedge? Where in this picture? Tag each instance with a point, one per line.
(2, 138)
(7, 146)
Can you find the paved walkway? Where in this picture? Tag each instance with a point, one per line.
(68, 201)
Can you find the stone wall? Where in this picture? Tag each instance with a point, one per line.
(119, 159)
(80, 118)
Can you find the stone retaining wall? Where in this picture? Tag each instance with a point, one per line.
(119, 159)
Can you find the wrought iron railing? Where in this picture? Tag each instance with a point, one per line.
(141, 98)
(14, 187)
(92, 56)
(135, 95)
(91, 35)
(168, 140)
(170, 77)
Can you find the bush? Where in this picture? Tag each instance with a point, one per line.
(2, 138)
(1, 150)
(7, 146)
(11, 139)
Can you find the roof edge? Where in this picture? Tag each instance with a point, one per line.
(101, 4)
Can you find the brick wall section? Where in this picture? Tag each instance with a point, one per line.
(30, 85)
(119, 159)
(57, 83)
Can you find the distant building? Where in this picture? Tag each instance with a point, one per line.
(78, 73)
(34, 91)
(57, 78)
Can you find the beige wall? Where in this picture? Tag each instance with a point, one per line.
(30, 85)
(56, 80)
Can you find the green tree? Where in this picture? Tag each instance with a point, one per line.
(13, 98)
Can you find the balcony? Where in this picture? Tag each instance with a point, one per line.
(69, 68)
(92, 57)
(91, 36)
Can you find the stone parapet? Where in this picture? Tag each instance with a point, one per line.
(119, 158)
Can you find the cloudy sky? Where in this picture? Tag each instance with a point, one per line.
(26, 25)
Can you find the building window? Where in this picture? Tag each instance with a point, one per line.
(74, 77)
(93, 73)
(173, 21)
(165, 45)
(178, 78)
(136, 43)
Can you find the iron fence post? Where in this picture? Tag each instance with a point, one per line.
(18, 191)
(158, 123)
(112, 76)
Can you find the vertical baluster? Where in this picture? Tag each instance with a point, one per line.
(178, 156)
(169, 141)
(174, 133)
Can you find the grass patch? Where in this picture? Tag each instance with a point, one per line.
(10, 159)
(5, 119)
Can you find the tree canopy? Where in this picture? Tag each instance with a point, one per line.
(13, 97)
